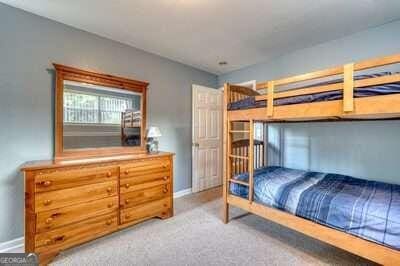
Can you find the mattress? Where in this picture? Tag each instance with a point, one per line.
(367, 209)
(384, 89)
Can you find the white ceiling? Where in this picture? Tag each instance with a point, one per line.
(201, 33)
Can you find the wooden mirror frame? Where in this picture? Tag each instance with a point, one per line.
(79, 75)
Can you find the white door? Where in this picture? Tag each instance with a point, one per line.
(206, 138)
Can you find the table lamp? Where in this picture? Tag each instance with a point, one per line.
(152, 143)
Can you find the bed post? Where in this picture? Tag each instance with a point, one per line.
(270, 102)
(226, 152)
(348, 87)
(251, 159)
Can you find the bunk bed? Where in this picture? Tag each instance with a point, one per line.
(131, 122)
(359, 216)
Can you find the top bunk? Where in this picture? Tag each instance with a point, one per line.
(352, 91)
(131, 118)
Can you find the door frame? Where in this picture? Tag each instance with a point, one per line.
(195, 182)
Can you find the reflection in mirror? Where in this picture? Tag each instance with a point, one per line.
(97, 116)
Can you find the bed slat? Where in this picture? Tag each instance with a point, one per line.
(303, 77)
(377, 62)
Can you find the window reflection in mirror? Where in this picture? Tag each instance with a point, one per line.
(97, 116)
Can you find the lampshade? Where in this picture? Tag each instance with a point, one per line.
(153, 132)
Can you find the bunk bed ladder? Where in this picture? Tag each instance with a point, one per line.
(240, 159)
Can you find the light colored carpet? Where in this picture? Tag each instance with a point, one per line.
(197, 236)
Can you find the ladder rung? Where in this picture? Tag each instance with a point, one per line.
(238, 157)
(239, 131)
(238, 182)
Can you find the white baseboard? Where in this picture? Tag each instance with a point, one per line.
(11, 245)
(182, 193)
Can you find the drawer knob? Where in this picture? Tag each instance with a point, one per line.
(49, 220)
(109, 189)
(165, 166)
(127, 201)
(46, 183)
(109, 222)
(47, 242)
(127, 216)
(59, 238)
(110, 205)
(165, 190)
(56, 214)
(165, 205)
(47, 202)
(165, 178)
(127, 185)
(109, 174)
(126, 172)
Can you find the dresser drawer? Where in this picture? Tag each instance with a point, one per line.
(61, 179)
(142, 196)
(49, 220)
(145, 167)
(148, 210)
(143, 181)
(78, 233)
(60, 198)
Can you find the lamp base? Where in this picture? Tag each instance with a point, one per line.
(152, 146)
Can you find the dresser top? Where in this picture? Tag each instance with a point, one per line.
(45, 164)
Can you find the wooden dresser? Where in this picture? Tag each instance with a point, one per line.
(71, 202)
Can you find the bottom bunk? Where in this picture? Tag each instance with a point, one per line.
(357, 208)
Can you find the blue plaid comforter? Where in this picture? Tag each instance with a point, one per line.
(367, 209)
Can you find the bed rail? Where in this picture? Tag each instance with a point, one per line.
(347, 85)
(237, 93)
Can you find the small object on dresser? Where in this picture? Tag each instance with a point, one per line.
(152, 143)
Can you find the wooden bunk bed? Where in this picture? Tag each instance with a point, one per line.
(130, 120)
(349, 105)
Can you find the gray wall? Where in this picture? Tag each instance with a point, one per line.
(375, 42)
(363, 149)
(28, 46)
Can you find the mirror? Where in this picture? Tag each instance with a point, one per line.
(98, 114)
